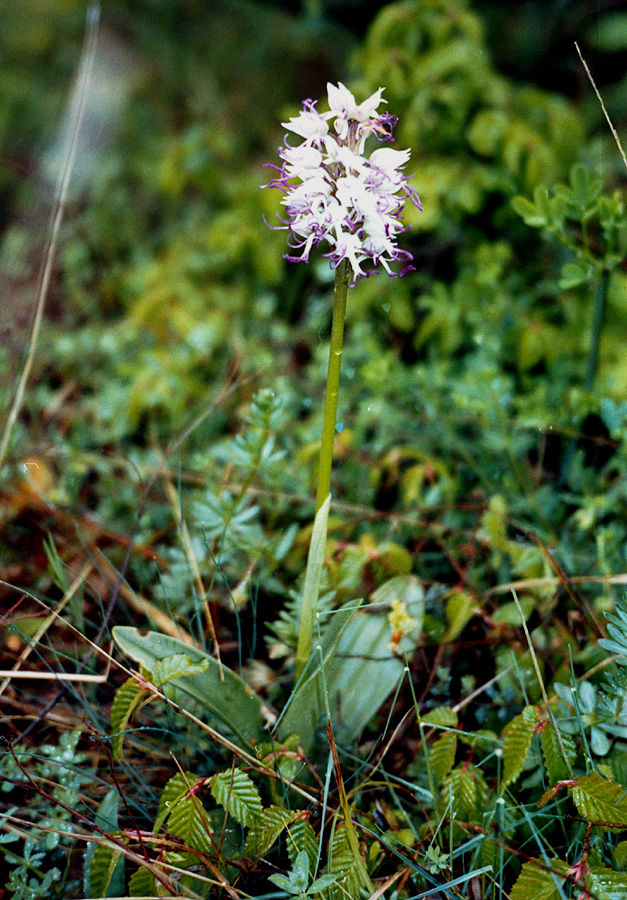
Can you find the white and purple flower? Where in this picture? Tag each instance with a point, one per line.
(335, 192)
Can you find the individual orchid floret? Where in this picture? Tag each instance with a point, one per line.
(335, 192)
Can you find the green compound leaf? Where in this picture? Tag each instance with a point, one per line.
(518, 735)
(529, 212)
(600, 801)
(237, 794)
(535, 882)
(128, 699)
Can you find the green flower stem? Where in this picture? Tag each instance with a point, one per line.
(315, 559)
(597, 324)
(333, 382)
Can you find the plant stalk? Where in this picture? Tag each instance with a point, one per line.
(333, 382)
(315, 558)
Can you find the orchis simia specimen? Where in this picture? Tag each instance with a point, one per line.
(335, 192)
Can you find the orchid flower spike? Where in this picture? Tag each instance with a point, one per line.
(335, 192)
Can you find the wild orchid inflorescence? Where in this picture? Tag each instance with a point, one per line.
(335, 192)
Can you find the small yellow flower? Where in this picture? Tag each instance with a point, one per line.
(401, 623)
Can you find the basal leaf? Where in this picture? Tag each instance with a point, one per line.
(218, 690)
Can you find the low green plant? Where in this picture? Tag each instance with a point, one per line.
(54, 777)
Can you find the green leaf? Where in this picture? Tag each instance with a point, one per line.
(600, 801)
(182, 812)
(218, 690)
(518, 735)
(261, 838)
(311, 591)
(142, 883)
(236, 793)
(536, 883)
(112, 881)
(282, 882)
(128, 698)
(320, 884)
(575, 273)
(530, 213)
(442, 755)
(460, 608)
(463, 794)
(106, 872)
(176, 666)
(343, 865)
(301, 836)
(552, 753)
(602, 882)
(441, 715)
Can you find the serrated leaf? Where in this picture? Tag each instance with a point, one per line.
(604, 882)
(301, 836)
(261, 838)
(177, 666)
(106, 818)
(188, 820)
(463, 793)
(182, 812)
(441, 715)
(600, 801)
(236, 793)
(442, 755)
(536, 883)
(343, 865)
(104, 871)
(176, 789)
(128, 698)
(552, 753)
(142, 883)
(518, 735)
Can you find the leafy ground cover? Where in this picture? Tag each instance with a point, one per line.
(461, 730)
